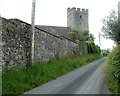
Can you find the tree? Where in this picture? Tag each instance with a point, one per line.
(92, 48)
(81, 35)
(111, 27)
(91, 37)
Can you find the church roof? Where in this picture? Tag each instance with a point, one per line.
(56, 30)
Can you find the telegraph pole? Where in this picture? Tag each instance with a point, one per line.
(99, 39)
(33, 30)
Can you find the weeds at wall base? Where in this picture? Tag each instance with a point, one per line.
(24, 79)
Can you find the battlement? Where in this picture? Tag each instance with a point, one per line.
(77, 9)
(77, 18)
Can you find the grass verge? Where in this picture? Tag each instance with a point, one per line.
(112, 70)
(24, 79)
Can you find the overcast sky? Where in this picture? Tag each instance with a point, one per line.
(54, 13)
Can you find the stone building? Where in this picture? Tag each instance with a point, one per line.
(16, 44)
(50, 41)
(77, 19)
(56, 30)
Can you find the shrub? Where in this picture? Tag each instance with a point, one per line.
(92, 48)
(113, 74)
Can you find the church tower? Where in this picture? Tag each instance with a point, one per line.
(77, 19)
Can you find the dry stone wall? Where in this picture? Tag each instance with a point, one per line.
(49, 46)
(1, 54)
(16, 44)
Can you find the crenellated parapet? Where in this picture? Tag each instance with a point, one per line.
(74, 9)
(77, 18)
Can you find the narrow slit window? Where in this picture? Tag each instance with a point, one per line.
(80, 16)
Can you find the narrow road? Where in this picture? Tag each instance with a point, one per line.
(88, 79)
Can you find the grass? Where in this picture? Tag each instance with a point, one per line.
(24, 79)
(111, 80)
(112, 70)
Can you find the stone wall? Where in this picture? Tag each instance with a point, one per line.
(1, 45)
(48, 46)
(16, 44)
(56, 30)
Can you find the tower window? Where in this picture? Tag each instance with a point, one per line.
(80, 16)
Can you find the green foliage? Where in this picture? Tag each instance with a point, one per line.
(57, 54)
(85, 37)
(15, 21)
(91, 37)
(106, 53)
(81, 35)
(92, 48)
(11, 28)
(111, 27)
(113, 71)
(0, 82)
(21, 80)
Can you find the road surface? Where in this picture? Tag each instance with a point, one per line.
(88, 79)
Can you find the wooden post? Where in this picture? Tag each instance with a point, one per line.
(33, 30)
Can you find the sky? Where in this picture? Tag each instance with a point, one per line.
(54, 13)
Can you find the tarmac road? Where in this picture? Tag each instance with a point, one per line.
(88, 79)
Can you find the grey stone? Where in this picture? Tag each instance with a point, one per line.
(16, 39)
(78, 19)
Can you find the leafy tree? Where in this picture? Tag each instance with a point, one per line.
(111, 27)
(91, 37)
(86, 38)
(92, 48)
(81, 35)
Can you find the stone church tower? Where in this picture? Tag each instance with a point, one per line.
(77, 19)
